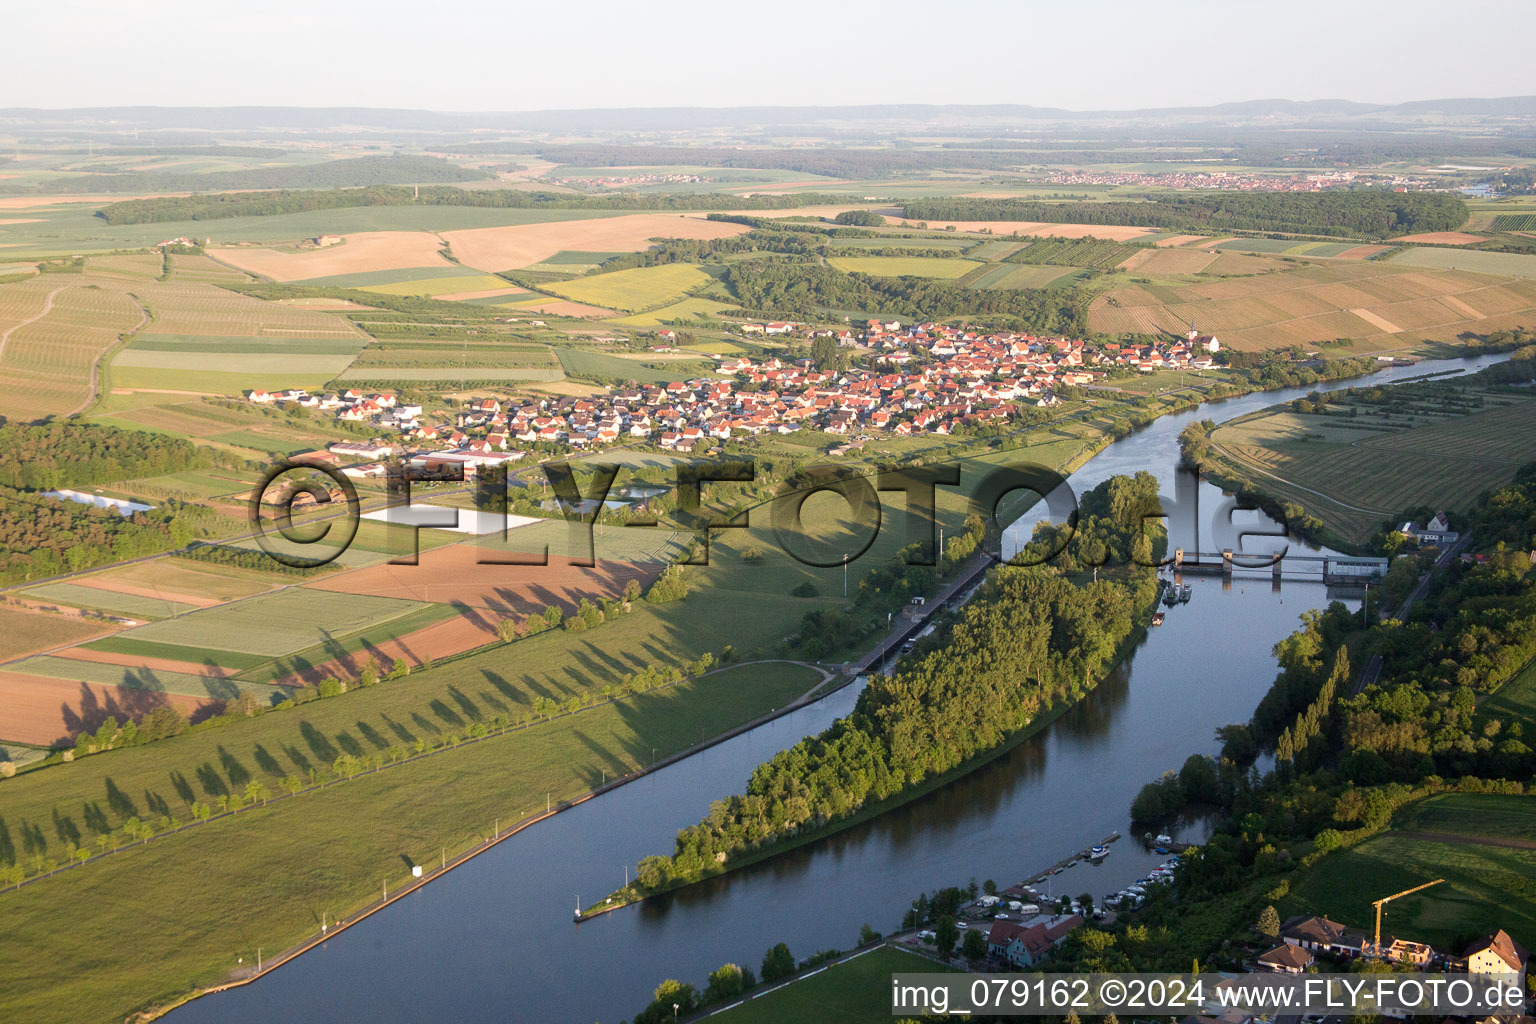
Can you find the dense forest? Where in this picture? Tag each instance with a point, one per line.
(1346, 214)
(348, 173)
(327, 197)
(1032, 640)
(804, 289)
(65, 454)
(41, 536)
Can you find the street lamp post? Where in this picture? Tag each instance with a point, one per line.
(845, 574)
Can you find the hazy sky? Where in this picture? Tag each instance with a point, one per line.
(511, 55)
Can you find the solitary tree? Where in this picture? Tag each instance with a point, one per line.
(778, 963)
(975, 945)
(946, 935)
(1269, 922)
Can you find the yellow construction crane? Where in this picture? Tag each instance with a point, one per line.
(1378, 904)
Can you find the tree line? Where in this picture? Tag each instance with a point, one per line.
(1368, 213)
(68, 454)
(337, 195)
(348, 173)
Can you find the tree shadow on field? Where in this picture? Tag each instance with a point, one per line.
(238, 775)
(120, 803)
(64, 825)
(345, 741)
(212, 782)
(266, 762)
(295, 755)
(597, 654)
(506, 689)
(95, 818)
(471, 711)
(495, 705)
(425, 725)
(183, 787)
(446, 713)
(593, 774)
(323, 748)
(371, 734)
(472, 613)
(156, 804)
(405, 735)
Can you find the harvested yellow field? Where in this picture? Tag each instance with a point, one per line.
(365, 251)
(1168, 243)
(559, 307)
(1372, 318)
(1442, 238)
(1109, 232)
(1375, 305)
(1162, 261)
(640, 288)
(522, 245)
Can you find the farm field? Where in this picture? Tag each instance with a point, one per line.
(274, 624)
(905, 266)
(1354, 472)
(1008, 275)
(857, 991)
(27, 632)
(442, 285)
(1112, 232)
(46, 710)
(208, 684)
(453, 575)
(365, 251)
(640, 288)
(191, 582)
(357, 830)
(1441, 238)
(1487, 886)
(1168, 261)
(1508, 264)
(113, 602)
(1376, 305)
(53, 329)
(509, 248)
(687, 309)
(1080, 252)
(590, 363)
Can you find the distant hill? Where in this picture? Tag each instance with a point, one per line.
(255, 119)
(349, 173)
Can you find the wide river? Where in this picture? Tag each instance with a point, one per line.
(493, 940)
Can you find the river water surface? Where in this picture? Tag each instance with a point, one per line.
(492, 941)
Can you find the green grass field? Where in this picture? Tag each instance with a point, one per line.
(236, 883)
(1514, 702)
(854, 992)
(1487, 887)
(589, 362)
(107, 600)
(1505, 264)
(687, 309)
(280, 623)
(943, 267)
(630, 290)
